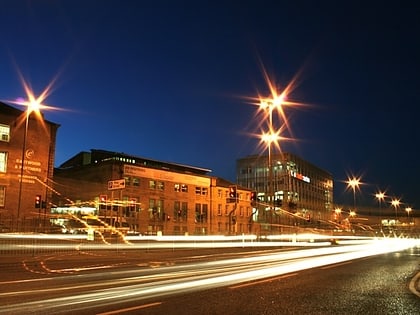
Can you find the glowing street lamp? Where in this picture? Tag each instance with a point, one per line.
(395, 203)
(32, 106)
(271, 137)
(337, 213)
(408, 210)
(353, 183)
(380, 196)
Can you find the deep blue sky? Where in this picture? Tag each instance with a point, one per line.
(166, 80)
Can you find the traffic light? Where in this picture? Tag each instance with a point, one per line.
(38, 201)
(254, 196)
(102, 202)
(232, 192)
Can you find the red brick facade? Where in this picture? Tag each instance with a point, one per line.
(28, 141)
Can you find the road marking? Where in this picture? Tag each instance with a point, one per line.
(336, 265)
(262, 281)
(122, 310)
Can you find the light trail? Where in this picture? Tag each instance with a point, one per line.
(141, 284)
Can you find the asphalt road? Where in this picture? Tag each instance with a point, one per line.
(374, 285)
(184, 282)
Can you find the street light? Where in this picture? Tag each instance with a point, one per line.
(380, 196)
(337, 213)
(32, 106)
(395, 203)
(353, 183)
(270, 137)
(408, 210)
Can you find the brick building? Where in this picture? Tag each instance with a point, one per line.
(152, 196)
(27, 148)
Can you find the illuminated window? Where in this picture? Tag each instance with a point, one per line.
(177, 187)
(184, 188)
(4, 133)
(160, 185)
(152, 184)
(3, 162)
(136, 181)
(198, 190)
(2, 195)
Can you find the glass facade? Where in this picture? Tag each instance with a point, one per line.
(289, 185)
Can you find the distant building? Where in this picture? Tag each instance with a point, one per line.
(27, 148)
(152, 197)
(296, 192)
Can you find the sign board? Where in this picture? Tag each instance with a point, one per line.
(116, 184)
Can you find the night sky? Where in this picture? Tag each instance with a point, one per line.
(173, 80)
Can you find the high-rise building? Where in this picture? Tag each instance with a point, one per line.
(290, 191)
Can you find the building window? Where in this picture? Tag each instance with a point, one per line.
(198, 190)
(136, 181)
(204, 191)
(184, 188)
(2, 196)
(219, 193)
(152, 184)
(177, 211)
(4, 133)
(3, 162)
(177, 187)
(241, 211)
(201, 211)
(160, 185)
(219, 209)
(184, 210)
(156, 209)
(226, 209)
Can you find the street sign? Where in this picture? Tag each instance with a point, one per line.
(116, 184)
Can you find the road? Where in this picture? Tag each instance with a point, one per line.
(366, 277)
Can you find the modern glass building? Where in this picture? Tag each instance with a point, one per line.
(290, 190)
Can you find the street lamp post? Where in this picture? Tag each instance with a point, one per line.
(269, 138)
(380, 196)
(33, 105)
(353, 183)
(338, 215)
(395, 203)
(408, 210)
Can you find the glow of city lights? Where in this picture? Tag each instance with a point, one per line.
(353, 182)
(380, 196)
(395, 202)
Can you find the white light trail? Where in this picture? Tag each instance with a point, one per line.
(194, 276)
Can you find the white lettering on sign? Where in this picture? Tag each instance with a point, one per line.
(116, 184)
(300, 176)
